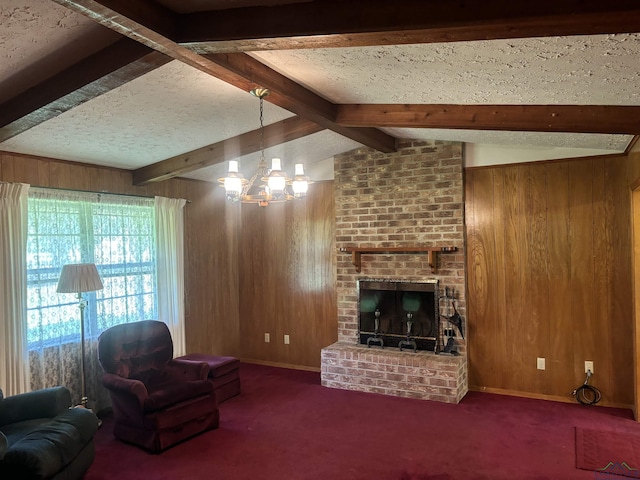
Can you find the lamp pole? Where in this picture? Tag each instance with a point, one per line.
(82, 305)
(79, 278)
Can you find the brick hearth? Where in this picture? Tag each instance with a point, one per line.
(420, 375)
(413, 197)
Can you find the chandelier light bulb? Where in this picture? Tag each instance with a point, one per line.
(300, 183)
(276, 185)
(234, 182)
(233, 187)
(277, 180)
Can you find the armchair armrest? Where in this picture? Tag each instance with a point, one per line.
(190, 369)
(45, 403)
(129, 386)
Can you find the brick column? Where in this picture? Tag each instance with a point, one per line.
(413, 197)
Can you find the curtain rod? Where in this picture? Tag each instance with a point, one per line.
(103, 191)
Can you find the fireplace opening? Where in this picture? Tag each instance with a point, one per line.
(402, 315)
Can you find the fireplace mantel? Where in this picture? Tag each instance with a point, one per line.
(356, 253)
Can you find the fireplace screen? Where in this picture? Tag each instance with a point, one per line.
(402, 315)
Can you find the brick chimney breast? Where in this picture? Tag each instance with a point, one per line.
(410, 198)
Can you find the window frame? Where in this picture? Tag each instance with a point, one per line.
(46, 277)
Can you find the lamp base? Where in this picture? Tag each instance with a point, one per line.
(83, 404)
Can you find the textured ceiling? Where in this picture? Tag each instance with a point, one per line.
(39, 36)
(176, 108)
(601, 70)
(172, 110)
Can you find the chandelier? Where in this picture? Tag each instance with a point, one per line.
(266, 185)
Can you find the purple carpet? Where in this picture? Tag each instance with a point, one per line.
(286, 426)
(608, 451)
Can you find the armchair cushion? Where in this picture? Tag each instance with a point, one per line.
(141, 347)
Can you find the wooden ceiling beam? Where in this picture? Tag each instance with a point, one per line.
(89, 78)
(239, 70)
(123, 16)
(293, 97)
(274, 134)
(144, 21)
(609, 119)
(357, 23)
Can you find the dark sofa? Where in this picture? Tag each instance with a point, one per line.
(42, 438)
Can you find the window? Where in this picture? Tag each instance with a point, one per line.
(114, 232)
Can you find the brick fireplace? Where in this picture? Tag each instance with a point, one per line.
(410, 198)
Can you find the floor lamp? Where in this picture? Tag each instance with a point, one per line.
(79, 278)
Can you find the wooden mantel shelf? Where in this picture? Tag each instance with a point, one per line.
(356, 253)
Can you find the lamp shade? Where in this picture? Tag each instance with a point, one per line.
(79, 277)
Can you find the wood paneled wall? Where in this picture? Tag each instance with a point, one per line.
(549, 274)
(211, 275)
(548, 265)
(634, 163)
(287, 279)
(247, 270)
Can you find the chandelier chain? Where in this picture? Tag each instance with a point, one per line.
(261, 129)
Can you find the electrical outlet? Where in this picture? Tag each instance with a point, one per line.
(588, 365)
(286, 339)
(267, 338)
(541, 363)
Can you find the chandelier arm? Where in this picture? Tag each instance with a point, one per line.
(259, 173)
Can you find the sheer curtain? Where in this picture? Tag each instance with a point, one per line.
(170, 257)
(14, 370)
(117, 234)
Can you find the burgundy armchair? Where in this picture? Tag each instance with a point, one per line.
(157, 401)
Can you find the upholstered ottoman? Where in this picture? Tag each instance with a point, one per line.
(224, 373)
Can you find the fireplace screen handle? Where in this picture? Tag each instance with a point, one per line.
(409, 342)
(376, 331)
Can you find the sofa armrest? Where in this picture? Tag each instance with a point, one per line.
(4, 445)
(45, 403)
(190, 369)
(119, 384)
